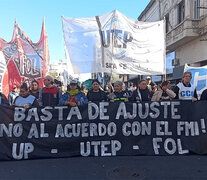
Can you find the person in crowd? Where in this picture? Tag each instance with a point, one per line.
(83, 89)
(50, 94)
(142, 93)
(96, 94)
(3, 99)
(128, 91)
(34, 90)
(164, 93)
(59, 85)
(25, 99)
(108, 89)
(118, 94)
(13, 94)
(134, 87)
(154, 89)
(185, 90)
(73, 97)
(149, 83)
(204, 95)
(131, 85)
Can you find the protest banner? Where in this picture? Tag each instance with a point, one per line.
(104, 129)
(22, 60)
(114, 43)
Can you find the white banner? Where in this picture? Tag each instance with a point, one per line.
(199, 78)
(115, 43)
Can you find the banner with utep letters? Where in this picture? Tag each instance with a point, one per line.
(114, 43)
(104, 129)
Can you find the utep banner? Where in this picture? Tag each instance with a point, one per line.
(115, 43)
(22, 60)
(199, 78)
(104, 129)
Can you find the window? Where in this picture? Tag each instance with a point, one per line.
(196, 9)
(167, 22)
(181, 11)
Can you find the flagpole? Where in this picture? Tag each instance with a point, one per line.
(112, 46)
(164, 53)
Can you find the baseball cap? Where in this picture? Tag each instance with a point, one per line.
(14, 86)
(74, 81)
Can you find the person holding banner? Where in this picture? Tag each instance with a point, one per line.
(96, 94)
(34, 89)
(50, 94)
(164, 93)
(73, 97)
(185, 90)
(13, 94)
(3, 99)
(25, 99)
(142, 93)
(118, 94)
(204, 95)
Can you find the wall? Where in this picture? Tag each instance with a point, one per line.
(192, 52)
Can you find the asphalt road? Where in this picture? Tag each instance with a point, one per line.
(127, 167)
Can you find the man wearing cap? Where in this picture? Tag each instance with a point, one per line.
(50, 94)
(73, 97)
(13, 94)
(149, 83)
(151, 86)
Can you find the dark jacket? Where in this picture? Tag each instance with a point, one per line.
(35, 94)
(118, 96)
(97, 96)
(3, 99)
(140, 95)
(204, 95)
(49, 96)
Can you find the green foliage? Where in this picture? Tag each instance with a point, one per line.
(53, 75)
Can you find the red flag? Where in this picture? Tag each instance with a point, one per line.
(23, 60)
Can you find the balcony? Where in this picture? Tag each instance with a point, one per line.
(203, 27)
(184, 32)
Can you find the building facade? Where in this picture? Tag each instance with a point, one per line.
(186, 29)
(58, 67)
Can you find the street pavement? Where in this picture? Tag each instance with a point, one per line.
(191, 167)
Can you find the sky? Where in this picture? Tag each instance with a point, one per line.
(29, 15)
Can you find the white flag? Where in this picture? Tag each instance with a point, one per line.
(115, 43)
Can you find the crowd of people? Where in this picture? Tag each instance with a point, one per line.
(51, 95)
